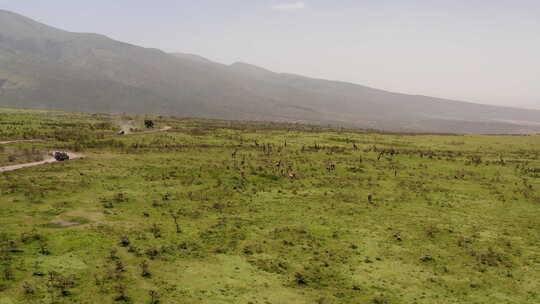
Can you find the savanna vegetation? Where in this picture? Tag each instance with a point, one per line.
(254, 212)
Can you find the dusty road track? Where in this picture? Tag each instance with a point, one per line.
(72, 156)
(164, 129)
(167, 128)
(19, 141)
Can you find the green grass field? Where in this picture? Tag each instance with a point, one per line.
(260, 213)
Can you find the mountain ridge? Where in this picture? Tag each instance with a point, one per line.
(46, 67)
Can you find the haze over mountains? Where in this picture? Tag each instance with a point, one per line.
(44, 67)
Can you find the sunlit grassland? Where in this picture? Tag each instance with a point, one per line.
(271, 213)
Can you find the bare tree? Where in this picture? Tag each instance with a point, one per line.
(154, 297)
(175, 215)
(156, 230)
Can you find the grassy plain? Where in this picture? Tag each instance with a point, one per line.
(251, 212)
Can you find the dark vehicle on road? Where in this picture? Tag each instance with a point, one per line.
(149, 124)
(60, 156)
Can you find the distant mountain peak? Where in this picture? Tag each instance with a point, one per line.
(246, 67)
(193, 57)
(20, 27)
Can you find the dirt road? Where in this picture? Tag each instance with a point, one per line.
(72, 156)
(127, 133)
(164, 129)
(18, 141)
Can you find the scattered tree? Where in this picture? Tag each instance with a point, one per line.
(154, 297)
(175, 215)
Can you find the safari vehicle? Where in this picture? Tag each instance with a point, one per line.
(60, 156)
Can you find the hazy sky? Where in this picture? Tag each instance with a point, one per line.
(486, 51)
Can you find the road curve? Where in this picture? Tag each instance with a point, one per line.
(72, 156)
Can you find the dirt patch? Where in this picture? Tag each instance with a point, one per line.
(65, 223)
(85, 216)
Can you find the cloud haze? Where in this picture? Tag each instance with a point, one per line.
(289, 6)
